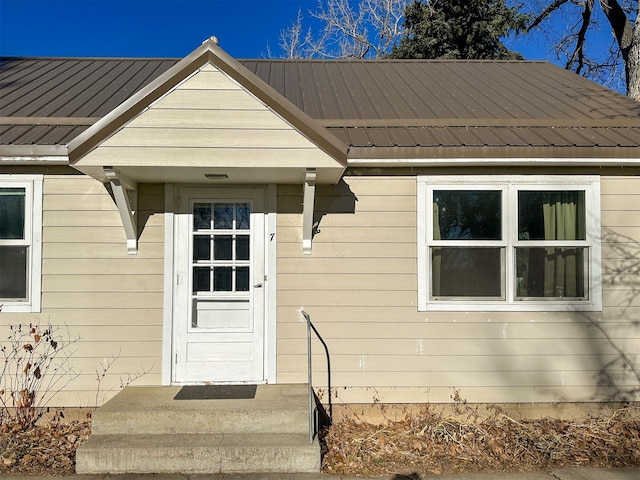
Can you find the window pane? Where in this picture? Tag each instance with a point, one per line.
(13, 273)
(12, 213)
(202, 247)
(223, 247)
(551, 215)
(243, 216)
(242, 247)
(466, 272)
(242, 279)
(467, 215)
(223, 216)
(201, 279)
(222, 279)
(202, 216)
(550, 272)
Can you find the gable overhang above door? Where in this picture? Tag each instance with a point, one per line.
(207, 120)
(147, 140)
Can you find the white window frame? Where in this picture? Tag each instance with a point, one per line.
(510, 185)
(33, 240)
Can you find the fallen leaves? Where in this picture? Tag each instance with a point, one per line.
(47, 449)
(433, 443)
(426, 442)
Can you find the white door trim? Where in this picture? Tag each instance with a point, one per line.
(269, 241)
(169, 275)
(270, 307)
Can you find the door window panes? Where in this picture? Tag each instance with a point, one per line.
(222, 279)
(242, 247)
(202, 216)
(201, 279)
(201, 247)
(242, 279)
(221, 248)
(243, 217)
(223, 216)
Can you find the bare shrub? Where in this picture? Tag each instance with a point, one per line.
(36, 368)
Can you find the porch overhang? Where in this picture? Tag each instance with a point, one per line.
(232, 174)
(190, 163)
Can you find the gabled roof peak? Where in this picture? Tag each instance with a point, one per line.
(212, 38)
(209, 52)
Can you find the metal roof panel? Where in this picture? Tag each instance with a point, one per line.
(387, 103)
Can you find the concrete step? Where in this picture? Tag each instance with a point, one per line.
(152, 410)
(145, 430)
(198, 454)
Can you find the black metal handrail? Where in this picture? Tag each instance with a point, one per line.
(313, 409)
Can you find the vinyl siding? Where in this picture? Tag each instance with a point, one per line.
(360, 288)
(92, 291)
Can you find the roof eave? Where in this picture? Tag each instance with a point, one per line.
(496, 162)
(34, 154)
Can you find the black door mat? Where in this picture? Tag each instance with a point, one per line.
(216, 392)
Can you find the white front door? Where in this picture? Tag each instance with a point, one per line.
(218, 316)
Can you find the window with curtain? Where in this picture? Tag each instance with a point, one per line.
(20, 245)
(513, 242)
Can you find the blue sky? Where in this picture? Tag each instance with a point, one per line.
(142, 28)
(153, 28)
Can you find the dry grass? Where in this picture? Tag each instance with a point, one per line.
(469, 441)
(427, 441)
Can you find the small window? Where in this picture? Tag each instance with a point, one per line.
(20, 242)
(517, 242)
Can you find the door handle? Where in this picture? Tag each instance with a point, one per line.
(258, 285)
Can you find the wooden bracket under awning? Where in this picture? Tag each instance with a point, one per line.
(125, 194)
(307, 209)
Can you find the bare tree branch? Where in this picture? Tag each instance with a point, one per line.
(578, 53)
(583, 53)
(368, 30)
(546, 13)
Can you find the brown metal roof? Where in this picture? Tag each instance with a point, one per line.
(441, 90)
(49, 101)
(381, 109)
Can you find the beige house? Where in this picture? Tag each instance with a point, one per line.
(446, 224)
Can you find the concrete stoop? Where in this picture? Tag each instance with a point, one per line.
(144, 430)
